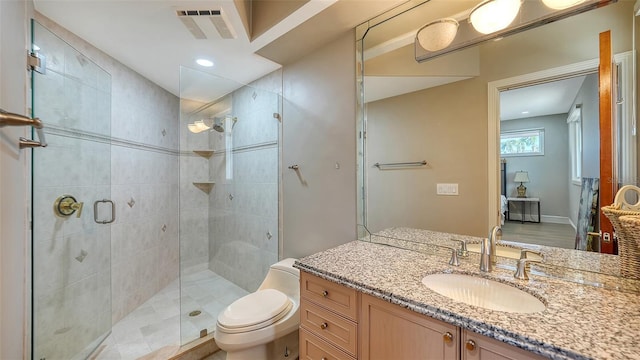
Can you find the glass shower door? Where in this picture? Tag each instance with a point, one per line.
(71, 211)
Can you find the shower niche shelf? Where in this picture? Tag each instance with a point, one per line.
(205, 186)
(204, 153)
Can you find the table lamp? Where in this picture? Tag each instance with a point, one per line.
(521, 177)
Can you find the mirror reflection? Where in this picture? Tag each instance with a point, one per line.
(541, 131)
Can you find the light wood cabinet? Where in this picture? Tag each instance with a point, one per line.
(388, 331)
(480, 347)
(339, 323)
(328, 320)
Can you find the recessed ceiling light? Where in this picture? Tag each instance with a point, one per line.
(525, 112)
(204, 62)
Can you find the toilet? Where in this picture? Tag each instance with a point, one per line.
(264, 325)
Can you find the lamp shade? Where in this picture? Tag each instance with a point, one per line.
(494, 15)
(521, 177)
(438, 34)
(561, 4)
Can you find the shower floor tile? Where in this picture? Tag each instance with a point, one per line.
(156, 323)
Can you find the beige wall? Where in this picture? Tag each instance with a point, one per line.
(319, 135)
(447, 126)
(14, 180)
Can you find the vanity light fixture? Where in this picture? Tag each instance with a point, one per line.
(437, 34)
(493, 15)
(561, 4)
(199, 126)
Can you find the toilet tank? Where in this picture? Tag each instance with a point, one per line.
(284, 277)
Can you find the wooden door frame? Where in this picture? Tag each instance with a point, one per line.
(608, 178)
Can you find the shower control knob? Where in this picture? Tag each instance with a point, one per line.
(66, 205)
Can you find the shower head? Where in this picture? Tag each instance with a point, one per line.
(218, 123)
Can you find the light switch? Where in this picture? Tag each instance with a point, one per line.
(447, 189)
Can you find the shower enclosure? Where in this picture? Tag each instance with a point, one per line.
(195, 186)
(229, 190)
(70, 202)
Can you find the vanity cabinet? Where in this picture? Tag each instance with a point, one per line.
(328, 320)
(388, 331)
(339, 323)
(480, 347)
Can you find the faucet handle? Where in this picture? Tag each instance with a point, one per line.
(524, 252)
(463, 247)
(521, 271)
(454, 257)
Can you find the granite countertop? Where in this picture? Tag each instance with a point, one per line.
(579, 322)
(569, 258)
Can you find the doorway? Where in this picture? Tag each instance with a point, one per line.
(623, 119)
(548, 143)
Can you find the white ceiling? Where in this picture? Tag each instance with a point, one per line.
(539, 100)
(147, 36)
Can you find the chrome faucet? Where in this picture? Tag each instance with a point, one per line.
(488, 249)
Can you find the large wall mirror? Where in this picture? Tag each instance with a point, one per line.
(526, 104)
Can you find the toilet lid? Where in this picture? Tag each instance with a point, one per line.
(262, 307)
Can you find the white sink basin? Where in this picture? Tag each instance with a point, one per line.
(484, 293)
(504, 251)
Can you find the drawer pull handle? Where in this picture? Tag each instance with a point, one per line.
(325, 293)
(470, 345)
(324, 358)
(324, 325)
(447, 337)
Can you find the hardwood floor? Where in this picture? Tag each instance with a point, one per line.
(547, 234)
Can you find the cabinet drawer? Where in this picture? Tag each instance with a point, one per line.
(314, 348)
(327, 294)
(335, 329)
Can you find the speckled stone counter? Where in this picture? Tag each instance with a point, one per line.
(580, 321)
(573, 259)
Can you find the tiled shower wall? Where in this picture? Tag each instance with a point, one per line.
(194, 203)
(243, 208)
(144, 178)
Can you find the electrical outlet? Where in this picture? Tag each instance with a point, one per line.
(447, 189)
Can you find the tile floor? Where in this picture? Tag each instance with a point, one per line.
(156, 323)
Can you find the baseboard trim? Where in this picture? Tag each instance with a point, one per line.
(556, 220)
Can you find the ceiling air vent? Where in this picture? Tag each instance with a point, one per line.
(195, 22)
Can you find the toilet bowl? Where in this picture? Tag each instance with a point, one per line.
(264, 325)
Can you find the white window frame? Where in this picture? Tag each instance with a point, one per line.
(523, 133)
(574, 121)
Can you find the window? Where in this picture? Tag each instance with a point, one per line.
(528, 142)
(574, 121)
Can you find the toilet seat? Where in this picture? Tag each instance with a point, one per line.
(254, 311)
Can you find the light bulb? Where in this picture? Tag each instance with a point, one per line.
(494, 15)
(561, 4)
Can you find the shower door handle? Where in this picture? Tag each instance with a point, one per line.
(95, 212)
